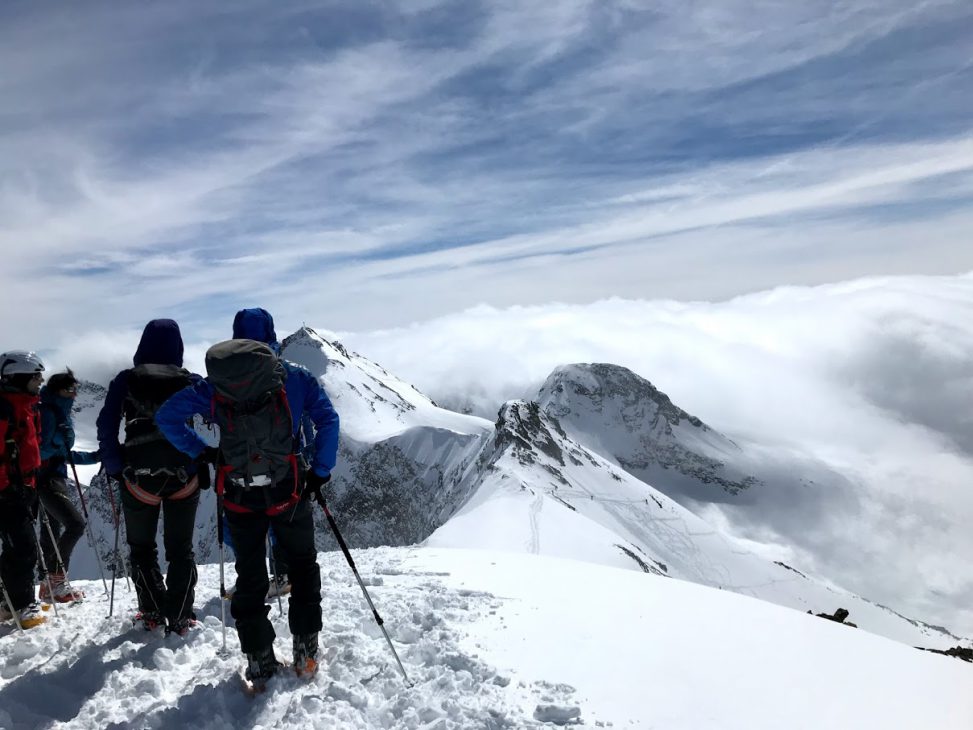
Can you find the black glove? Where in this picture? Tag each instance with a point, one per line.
(313, 483)
(203, 476)
(209, 455)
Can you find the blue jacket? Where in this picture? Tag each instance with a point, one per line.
(161, 344)
(305, 396)
(57, 433)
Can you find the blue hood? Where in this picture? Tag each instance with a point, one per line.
(161, 344)
(51, 396)
(255, 324)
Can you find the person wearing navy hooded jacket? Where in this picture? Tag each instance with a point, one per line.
(154, 477)
(249, 523)
(57, 449)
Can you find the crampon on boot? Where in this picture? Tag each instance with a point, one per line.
(261, 667)
(182, 625)
(306, 654)
(150, 620)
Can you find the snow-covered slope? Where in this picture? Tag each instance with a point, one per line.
(374, 405)
(537, 490)
(402, 457)
(491, 640)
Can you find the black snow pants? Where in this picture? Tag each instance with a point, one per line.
(67, 524)
(19, 556)
(173, 597)
(294, 529)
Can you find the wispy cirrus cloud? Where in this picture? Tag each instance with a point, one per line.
(339, 159)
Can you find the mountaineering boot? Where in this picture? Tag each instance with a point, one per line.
(306, 654)
(182, 625)
(63, 591)
(31, 615)
(279, 587)
(261, 666)
(150, 620)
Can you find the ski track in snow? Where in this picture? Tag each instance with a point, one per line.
(85, 670)
(535, 531)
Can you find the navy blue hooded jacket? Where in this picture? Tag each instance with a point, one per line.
(309, 404)
(161, 344)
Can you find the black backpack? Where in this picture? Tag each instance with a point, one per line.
(150, 460)
(257, 445)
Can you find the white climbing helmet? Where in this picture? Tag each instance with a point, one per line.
(18, 362)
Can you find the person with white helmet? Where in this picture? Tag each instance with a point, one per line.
(21, 376)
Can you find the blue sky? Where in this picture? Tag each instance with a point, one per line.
(365, 165)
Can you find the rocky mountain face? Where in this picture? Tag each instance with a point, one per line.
(627, 419)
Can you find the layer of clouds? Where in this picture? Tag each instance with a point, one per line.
(390, 162)
(863, 386)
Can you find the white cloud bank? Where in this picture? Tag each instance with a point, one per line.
(873, 377)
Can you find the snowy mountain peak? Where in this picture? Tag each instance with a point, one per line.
(601, 386)
(619, 414)
(373, 403)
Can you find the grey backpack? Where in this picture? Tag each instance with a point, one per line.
(257, 445)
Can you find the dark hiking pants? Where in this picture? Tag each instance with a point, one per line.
(19, 556)
(278, 560)
(295, 537)
(67, 524)
(172, 597)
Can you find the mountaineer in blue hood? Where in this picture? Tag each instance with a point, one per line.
(287, 515)
(153, 473)
(256, 324)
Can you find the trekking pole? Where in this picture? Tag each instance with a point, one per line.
(219, 539)
(120, 525)
(57, 550)
(114, 571)
(344, 548)
(87, 521)
(273, 570)
(47, 575)
(117, 517)
(10, 606)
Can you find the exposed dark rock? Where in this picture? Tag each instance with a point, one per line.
(960, 652)
(521, 424)
(793, 570)
(838, 616)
